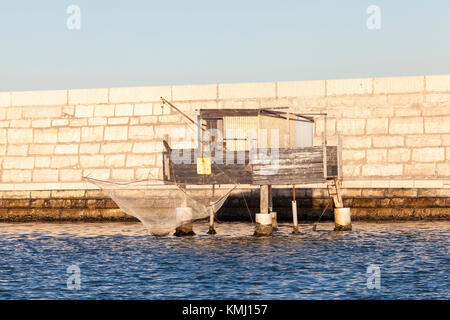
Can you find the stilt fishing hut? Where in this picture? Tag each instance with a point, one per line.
(263, 147)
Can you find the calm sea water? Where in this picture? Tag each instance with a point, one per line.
(120, 261)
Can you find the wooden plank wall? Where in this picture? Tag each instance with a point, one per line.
(332, 161)
(295, 166)
(227, 171)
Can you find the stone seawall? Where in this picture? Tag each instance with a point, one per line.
(366, 204)
(395, 136)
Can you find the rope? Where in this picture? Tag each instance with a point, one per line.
(192, 123)
(242, 194)
(315, 224)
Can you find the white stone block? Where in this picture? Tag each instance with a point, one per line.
(349, 86)
(115, 161)
(101, 174)
(116, 147)
(122, 174)
(141, 132)
(118, 120)
(115, 133)
(45, 175)
(104, 110)
(148, 147)
(143, 109)
(39, 98)
(69, 134)
(438, 83)
(42, 112)
(428, 154)
(5, 99)
(42, 162)
(139, 94)
(46, 135)
(399, 85)
(301, 89)
(247, 90)
(89, 134)
(124, 110)
(87, 96)
(194, 92)
(70, 175)
(102, 121)
(92, 161)
(437, 125)
(17, 150)
(89, 148)
(16, 176)
(406, 125)
(84, 111)
(18, 163)
(64, 161)
(42, 149)
(134, 160)
(66, 149)
(20, 136)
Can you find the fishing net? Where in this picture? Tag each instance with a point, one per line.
(163, 207)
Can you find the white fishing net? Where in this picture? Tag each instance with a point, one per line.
(164, 207)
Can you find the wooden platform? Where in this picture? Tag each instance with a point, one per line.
(263, 167)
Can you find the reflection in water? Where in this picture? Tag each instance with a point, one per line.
(120, 261)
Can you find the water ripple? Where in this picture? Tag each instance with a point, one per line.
(120, 261)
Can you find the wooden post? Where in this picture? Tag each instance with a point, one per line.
(273, 213)
(288, 142)
(258, 138)
(199, 133)
(339, 157)
(324, 151)
(270, 198)
(211, 222)
(294, 216)
(263, 218)
(166, 159)
(264, 199)
(294, 211)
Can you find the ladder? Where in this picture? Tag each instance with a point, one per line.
(334, 191)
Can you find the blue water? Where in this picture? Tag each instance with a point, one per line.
(120, 261)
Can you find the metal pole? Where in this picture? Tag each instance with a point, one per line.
(294, 211)
(294, 216)
(289, 129)
(178, 110)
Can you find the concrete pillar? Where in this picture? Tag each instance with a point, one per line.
(211, 229)
(264, 218)
(294, 217)
(263, 224)
(184, 222)
(342, 219)
(274, 221)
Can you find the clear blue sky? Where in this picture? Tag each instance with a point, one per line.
(140, 43)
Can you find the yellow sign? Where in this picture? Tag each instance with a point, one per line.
(204, 165)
